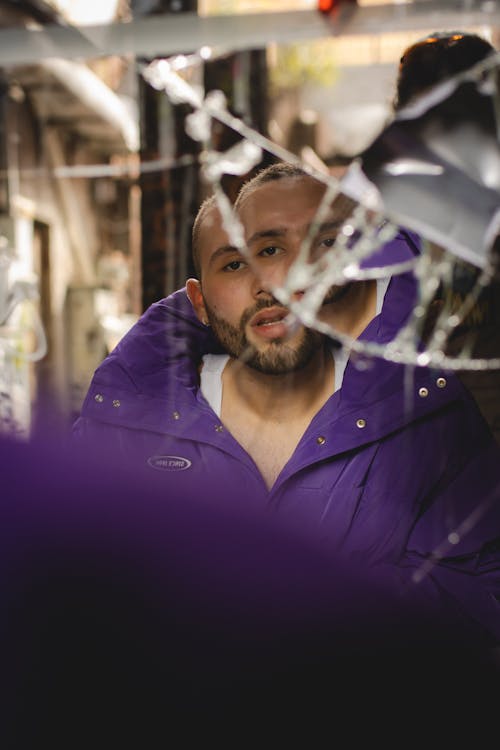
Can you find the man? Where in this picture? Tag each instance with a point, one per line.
(387, 468)
(266, 361)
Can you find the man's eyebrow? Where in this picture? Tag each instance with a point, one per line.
(327, 226)
(265, 233)
(222, 250)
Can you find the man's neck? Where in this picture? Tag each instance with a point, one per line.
(277, 396)
(268, 414)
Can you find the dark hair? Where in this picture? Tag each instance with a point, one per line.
(278, 171)
(434, 58)
(205, 207)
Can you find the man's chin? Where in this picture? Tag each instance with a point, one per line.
(291, 337)
(284, 356)
(276, 364)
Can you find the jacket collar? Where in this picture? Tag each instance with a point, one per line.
(152, 374)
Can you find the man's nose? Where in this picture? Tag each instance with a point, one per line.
(270, 276)
(265, 282)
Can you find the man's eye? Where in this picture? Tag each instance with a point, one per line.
(235, 265)
(328, 242)
(269, 252)
(321, 246)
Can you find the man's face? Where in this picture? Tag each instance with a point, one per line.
(236, 292)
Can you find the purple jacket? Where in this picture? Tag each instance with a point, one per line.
(398, 468)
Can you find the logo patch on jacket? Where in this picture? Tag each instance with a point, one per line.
(169, 463)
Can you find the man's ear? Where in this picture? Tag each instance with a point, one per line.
(193, 290)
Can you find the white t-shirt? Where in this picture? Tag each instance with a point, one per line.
(213, 364)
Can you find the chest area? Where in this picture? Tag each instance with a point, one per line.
(270, 444)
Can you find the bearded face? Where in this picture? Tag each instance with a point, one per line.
(279, 356)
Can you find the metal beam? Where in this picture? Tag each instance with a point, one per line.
(422, 15)
(169, 34)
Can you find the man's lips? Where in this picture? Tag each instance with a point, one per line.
(268, 317)
(271, 324)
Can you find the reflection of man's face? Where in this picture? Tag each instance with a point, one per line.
(237, 291)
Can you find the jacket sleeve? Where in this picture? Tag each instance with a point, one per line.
(167, 332)
(446, 489)
(453, 551)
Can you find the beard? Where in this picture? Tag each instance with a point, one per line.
(279, 357)
(336, 293)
